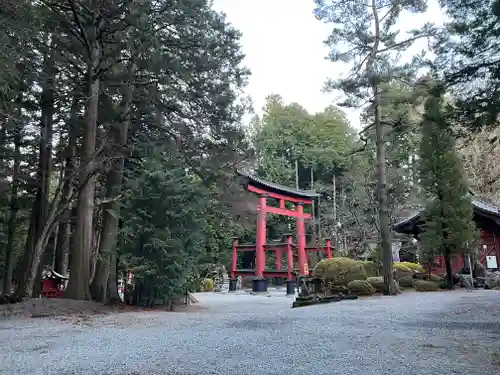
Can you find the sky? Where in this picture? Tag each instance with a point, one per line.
(283, 43)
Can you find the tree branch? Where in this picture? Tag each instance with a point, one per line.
(83, 34)
(399, 44)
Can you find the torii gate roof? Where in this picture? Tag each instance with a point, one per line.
(270, 187)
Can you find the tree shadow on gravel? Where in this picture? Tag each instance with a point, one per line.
(491, 327)
(255, 324)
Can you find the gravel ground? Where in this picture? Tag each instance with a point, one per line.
(415, 334)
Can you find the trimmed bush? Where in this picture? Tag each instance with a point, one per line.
(413, 266)
(339, 271)
(425, 286)
(432, 277)
(208, 285)
(496, 285)
(400, 273)
(401, 267)
(406, 281)
(378, 284)
(371, 268)
(443, 285)
(401, 270)
(361, 288)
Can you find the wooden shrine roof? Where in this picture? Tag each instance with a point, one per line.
(276, 188)
(480, 207)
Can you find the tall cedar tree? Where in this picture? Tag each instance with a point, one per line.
(364, 34)
(449, 228)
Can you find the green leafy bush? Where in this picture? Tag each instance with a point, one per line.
(496, 284)
(443, 285)
(425, 286)
(432, 277)
(406, 281)
(340, 271)
(378, 284)
(371, 268)
(361, 288)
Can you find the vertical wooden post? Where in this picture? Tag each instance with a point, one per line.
(278, 280)
(301, 241)
(289, 241)
(234, 262)
(260, 256)
(328, 248)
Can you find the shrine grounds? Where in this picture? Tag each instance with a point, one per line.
(239, 334)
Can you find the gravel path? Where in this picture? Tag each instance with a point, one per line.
(415, 334)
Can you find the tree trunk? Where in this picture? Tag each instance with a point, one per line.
(31, 264)
(14, 208)
(47, 102)
(4, 183)
(27, 257)
(64, 233)
(40, 208)
(78, 285)
(94, 253)
(449, 272)
(383, 211)
(105, 276)
(112, 292)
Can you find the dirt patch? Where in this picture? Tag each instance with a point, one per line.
(75, 310)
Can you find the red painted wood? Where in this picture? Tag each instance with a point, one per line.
(261, 247)
(52, 288)
(289, 242)
(285, 212)
(266, 273)
(260, 191)
(490, 240)
(328, 249)
(440, 266)
(260, 256)
(235, 258)
(276, 247)
(246, 247)
(487, 237)
(301, 242)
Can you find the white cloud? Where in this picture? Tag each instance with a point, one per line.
(283, 43)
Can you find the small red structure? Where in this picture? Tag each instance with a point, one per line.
(285, 197)
(487, 219)
(53, 284)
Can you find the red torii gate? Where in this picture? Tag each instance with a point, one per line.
(298, 198)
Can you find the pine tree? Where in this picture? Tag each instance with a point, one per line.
(448, 227)
(366, 35)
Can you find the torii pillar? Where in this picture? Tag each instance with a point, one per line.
(259, 283)
(301, 240)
